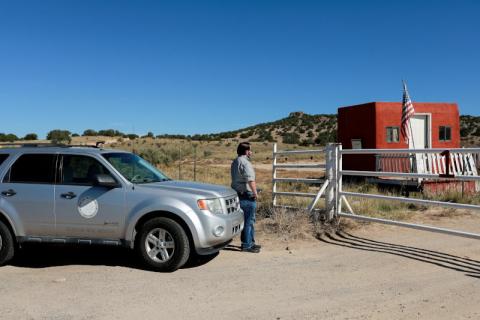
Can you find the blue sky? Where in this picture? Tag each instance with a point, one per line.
(208, 66)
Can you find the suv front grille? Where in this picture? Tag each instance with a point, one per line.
(233, 204)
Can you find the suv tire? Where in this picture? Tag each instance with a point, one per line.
(163, 244)
(7, 246)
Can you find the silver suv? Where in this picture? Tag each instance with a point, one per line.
(83, 195)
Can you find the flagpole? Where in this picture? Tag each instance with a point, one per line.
(411, 134)
(409, 122)
(406, 98)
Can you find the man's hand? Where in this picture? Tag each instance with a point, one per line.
(253, 186)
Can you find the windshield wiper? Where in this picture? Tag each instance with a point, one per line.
(147, 180)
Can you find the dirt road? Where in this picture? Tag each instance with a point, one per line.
(375, 272)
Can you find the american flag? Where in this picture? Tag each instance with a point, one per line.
(407, 112)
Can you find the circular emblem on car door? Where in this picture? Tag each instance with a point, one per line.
(87, 207)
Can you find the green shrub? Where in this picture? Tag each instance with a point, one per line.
(477, 132)
(244, 135)
(59, 136)
(291, 138)
(132, 136)
(30, 136)
(307, 142)
(10, 137)
(110, 133)
(90, 133)
(207, 153)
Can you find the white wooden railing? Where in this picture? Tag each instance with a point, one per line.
(460, 163)
(435, 163)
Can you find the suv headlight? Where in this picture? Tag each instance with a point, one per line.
(212, 205)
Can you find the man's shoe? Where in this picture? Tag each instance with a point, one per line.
(251, 249)
(257, 246)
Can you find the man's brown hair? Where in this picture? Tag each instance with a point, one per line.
(242, 148)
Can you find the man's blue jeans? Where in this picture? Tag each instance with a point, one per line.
(248, 234)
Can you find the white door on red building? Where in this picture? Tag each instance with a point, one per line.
(420, 139)
(420, 132)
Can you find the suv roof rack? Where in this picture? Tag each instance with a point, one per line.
(47, 144)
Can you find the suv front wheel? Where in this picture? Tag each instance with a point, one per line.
(163, 244)
(6, 244)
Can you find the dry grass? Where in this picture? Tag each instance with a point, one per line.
(379, 208)
(455, 196)
(287, 224)
(394, 210)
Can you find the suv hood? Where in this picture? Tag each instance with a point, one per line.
(193, 188)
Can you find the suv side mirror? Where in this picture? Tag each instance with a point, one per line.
(105, 180)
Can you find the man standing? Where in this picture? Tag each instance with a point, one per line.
(243, 181)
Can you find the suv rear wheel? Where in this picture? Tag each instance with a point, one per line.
(163, 244)
(6, 244)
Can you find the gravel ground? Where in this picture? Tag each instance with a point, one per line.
(374, 272)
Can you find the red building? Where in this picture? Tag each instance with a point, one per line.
(376, 125)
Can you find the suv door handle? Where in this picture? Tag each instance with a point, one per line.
(68, 195)
(9, 193)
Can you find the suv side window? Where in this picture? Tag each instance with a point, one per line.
(33, 168)
(3, 157)
(81, 170)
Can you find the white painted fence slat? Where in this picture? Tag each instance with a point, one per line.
(457, 164)
(471, 162)
(466, 165)
(429, 165)
(453, 164)
(452, 169)
(440, 164)
(436, 163)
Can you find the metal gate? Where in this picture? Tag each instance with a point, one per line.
(311, 181)
(336, 197)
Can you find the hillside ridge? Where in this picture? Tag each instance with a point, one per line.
(297, 128)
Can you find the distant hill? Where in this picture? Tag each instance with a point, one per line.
(470, 131)
(305, 129)
(298, 128)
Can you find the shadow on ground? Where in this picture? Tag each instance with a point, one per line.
(53, 255)
(465, 265)
(232, 247)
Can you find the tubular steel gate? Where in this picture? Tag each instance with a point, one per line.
(275, 180)
(335, 196)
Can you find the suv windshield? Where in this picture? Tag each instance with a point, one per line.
(134, 168)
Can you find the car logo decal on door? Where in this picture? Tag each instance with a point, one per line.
(88, 207)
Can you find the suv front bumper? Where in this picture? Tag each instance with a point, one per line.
(218, 230)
